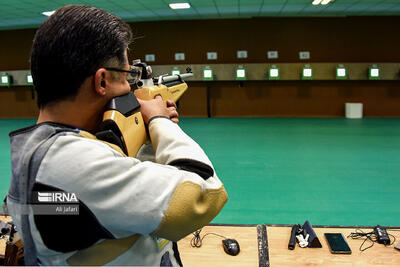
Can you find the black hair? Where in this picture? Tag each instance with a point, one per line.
(71, 45)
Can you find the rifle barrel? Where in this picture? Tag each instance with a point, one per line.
(166, 79)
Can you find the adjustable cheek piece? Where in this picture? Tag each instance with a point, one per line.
(123, 124)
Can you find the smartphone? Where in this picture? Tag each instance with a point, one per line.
(337, 243)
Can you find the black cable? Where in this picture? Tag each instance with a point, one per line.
(359, 234)
(394, 239)
(371, 236)
(197, 241)
(362, 244)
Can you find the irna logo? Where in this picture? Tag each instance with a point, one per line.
(57, 197)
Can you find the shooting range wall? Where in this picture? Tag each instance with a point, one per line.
(347, 40)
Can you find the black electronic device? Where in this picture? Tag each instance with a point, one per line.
(381, 235)
(231, 246)
(337, 243)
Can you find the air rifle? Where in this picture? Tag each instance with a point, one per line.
(123, 123)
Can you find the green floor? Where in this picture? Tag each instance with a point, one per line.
(284, 171)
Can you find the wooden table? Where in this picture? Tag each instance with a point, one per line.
(267, 245)
(277, 253)
(211, 253)
(378, 255)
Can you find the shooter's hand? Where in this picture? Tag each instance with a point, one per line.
(173, 113)
(153, 108)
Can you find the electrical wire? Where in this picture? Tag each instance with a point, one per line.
(389, 230)
(197, 241)
(371, 236)
(359, 234)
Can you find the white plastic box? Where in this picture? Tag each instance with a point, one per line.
(354, 110)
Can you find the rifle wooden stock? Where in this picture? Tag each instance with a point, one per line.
(126, 128)
(172, 93)
(132, 129)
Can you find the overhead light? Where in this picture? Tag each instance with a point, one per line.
(179, 5)
(208, 74)
(322, 2)
(240, 73)
(48, 13)
(273, 73)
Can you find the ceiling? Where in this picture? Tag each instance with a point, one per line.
(18, 14)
